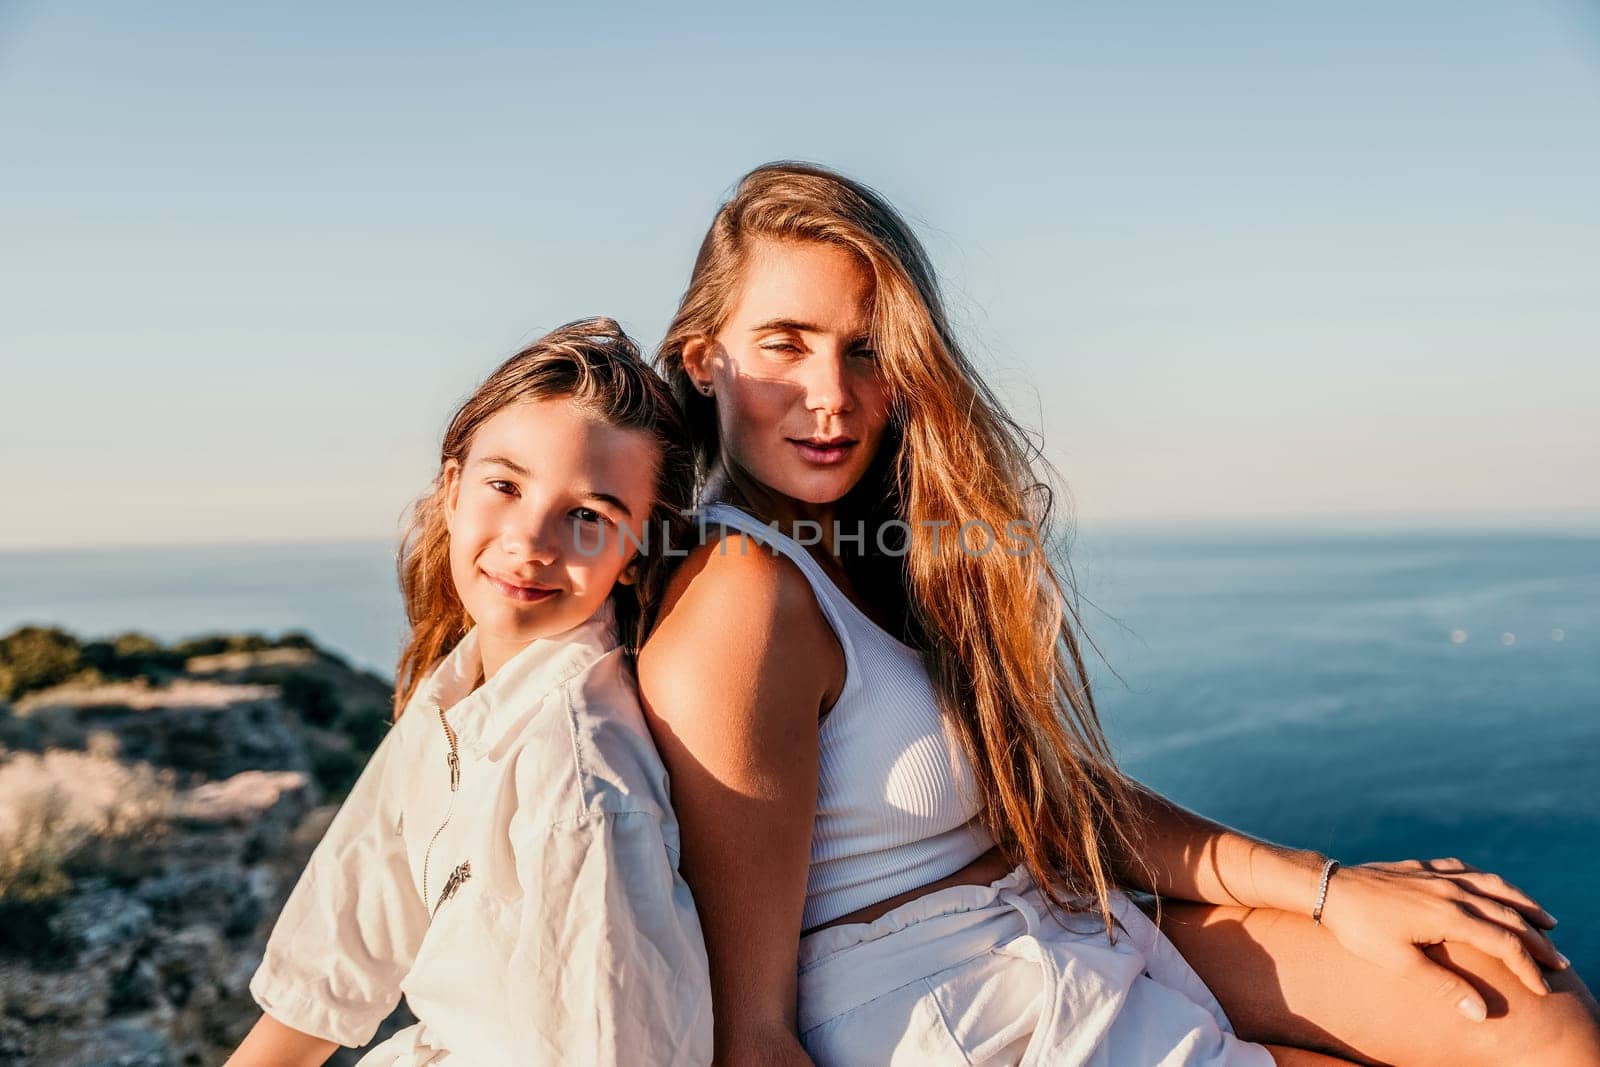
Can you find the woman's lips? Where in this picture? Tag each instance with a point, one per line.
(524, 593)
(825, 455)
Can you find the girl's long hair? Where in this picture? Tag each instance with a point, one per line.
(1000, 629)
(594, 364)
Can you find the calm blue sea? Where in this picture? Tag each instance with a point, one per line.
(1375, 696)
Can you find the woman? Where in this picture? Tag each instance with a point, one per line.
(885, 756)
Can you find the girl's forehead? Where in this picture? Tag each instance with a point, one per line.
(544, 418)
(562, 433)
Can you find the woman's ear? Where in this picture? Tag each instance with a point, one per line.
(697, 361)
(630, 572)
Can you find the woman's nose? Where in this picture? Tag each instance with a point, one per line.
(828, 384)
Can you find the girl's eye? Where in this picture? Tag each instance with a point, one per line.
(500, 485)
(781, 346)
(865, 353)
(588, 515)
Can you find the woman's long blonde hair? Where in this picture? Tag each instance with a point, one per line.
(999, 629)
(594, 364)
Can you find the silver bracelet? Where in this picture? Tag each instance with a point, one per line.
(1322, 893)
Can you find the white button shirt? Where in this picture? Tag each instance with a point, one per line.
(511, 865)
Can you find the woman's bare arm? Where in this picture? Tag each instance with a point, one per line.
(272, 1044)
(732, 683)
(1193, 858)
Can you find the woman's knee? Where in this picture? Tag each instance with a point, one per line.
(1560, 1028)
(1283, 981)
(1574, 1018)
(1563, 1038)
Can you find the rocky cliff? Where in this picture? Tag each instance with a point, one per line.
(156, 806)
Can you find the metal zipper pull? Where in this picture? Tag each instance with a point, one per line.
(453, 760)
(458, 877)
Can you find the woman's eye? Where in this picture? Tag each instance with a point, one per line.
(781, 346)
(588, 515)
(500, 485)
(865, 353)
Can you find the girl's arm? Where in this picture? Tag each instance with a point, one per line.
(732, 683)
(1384, 912)
(272, 1044)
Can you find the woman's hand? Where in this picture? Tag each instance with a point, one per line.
(1387, 913)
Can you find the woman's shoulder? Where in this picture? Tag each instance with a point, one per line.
(734, 583)
(739, 627)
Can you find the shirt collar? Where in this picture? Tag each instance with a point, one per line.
(482, 716)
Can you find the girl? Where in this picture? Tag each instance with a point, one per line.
(508, 859)
(885, 754)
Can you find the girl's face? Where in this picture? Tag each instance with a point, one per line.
(537, 515)
(801, 403)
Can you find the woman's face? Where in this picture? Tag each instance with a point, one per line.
(801, 401)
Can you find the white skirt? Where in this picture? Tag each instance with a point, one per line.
(989, 975)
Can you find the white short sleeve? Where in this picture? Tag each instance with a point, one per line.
(352, 925)
(609, 962)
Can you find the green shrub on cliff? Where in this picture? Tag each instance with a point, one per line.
(132, 655)
(216, 644)
(37, 657)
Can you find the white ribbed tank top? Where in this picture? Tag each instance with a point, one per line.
(896, 802)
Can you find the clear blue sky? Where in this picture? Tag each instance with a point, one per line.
(1232, 259)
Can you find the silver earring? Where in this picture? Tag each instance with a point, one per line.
(706, 388)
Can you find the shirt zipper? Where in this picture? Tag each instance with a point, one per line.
(464, 871)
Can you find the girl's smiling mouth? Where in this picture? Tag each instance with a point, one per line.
(528, 594)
